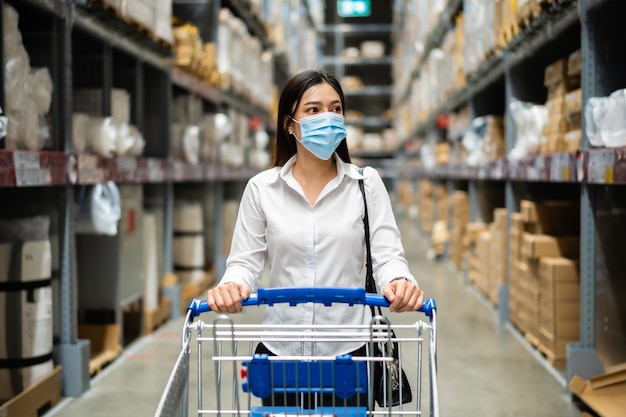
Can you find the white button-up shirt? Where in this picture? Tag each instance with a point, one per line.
(320, 245)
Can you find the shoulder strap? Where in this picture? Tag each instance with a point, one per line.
(370, 287)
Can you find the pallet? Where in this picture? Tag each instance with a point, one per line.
(153, 319)
(552, 358)
(198, 290)
(105, 344)
(532, 339)
(36, 399)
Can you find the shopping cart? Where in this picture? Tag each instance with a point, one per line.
(243, 383)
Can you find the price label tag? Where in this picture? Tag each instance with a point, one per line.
(125, 163)
(601, 165)
(555, 168)
(26, 160)
(566, 173)
(32, 177)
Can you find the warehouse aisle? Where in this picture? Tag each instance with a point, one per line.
(484, 369)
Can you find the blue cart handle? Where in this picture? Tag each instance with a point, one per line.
(325, 296)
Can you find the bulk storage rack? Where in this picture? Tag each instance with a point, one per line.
(82, 48)
(591, 176)
(373, 98)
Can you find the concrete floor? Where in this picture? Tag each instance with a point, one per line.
(485, 367)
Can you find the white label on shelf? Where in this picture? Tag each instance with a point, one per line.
(26, 177)
(556, 172)
(598, 163)
(27, 160)
(126, 163)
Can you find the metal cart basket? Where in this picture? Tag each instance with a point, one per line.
(244, 383)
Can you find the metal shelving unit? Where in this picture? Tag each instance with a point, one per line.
(592, 177)
(84, 47)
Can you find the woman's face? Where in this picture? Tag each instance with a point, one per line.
(319, 98)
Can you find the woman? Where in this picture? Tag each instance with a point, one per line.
(306, 216)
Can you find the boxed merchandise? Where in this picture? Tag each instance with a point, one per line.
(605, 394)
(573, 139)
(537, 246)
(555, 73)
(574, 68)
(560, 279)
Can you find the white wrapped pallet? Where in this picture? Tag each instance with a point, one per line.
(188, 245)
(26, 340)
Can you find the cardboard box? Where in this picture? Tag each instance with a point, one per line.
(555, 72)
(605, 394)
(573, 139)
(556, 346)
(573, 103)
(552, 310)
(517, 221)
(561, 329)
(558, 89)
(558, 270)
(537, 246)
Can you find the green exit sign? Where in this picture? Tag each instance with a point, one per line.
(354, 8)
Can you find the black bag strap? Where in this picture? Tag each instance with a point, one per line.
(370, 285)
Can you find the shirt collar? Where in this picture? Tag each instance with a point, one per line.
(343, 169)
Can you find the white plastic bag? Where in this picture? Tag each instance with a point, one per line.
(605, 120)
(99, 209)
(529, 120)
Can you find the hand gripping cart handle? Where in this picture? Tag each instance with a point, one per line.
(277, 377)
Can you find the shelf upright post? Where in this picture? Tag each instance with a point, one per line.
(509, 192)
(582, 358)
(73, 354)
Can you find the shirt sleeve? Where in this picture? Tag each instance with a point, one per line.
(388, 257)
(246, 260)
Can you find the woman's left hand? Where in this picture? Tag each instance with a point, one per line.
(403, 295)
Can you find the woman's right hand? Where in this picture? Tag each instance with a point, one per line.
(227, 298)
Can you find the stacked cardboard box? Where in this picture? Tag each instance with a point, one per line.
(442, 153)
(563, 110)
(470, 245)
(483, 255)
(574, 102)
(550, 230)
(459, 208)
(517, 271)
(426, 205)
(497, 270)
(559, 311)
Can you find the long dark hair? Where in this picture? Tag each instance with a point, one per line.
(288, 102)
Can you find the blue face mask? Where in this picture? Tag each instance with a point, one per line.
(322, 133)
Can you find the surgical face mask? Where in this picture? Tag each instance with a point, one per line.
(322, 133)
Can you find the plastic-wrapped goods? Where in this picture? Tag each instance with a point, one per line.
(190, 144)
(3, 124)
(484, 140)
(137, 140)
(101, 135)
(41, 89)
(26, 341)
(99, 209)
(12, 38)
(188, 244)
(530, 120)
(129, 140)
(605, 120)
